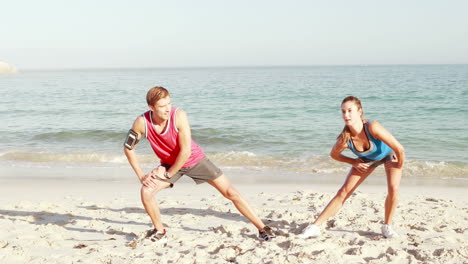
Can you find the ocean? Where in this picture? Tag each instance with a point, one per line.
(274, 124)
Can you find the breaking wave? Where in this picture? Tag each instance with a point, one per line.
(307, 165)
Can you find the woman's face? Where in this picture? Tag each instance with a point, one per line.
(351, 113)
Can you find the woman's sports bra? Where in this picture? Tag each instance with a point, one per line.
(377, 148)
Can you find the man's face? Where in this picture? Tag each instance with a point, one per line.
(162, 108)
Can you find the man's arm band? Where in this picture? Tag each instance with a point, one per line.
(131, 140)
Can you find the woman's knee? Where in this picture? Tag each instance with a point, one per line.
(393, 190)
(343, 194)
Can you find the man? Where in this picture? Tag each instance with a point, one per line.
(168, 131)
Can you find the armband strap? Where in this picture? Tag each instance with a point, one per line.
(131, 140)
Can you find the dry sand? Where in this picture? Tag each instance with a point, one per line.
(63, 221)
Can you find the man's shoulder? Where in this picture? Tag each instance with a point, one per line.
(181, 119)
(143, 116)
(139, 124)
(179, 111)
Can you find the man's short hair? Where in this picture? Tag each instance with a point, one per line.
(156, 93)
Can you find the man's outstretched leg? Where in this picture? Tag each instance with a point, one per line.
(224, 186)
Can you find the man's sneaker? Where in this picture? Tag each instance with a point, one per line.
(157, 236)
(311, 231)
(266, 234)
(388, 232)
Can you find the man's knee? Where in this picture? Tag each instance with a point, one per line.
(232, 194)
(148, 192)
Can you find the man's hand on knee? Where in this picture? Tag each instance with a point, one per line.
(153, 182)
(149, 181)
(155, 178)
(158, 172)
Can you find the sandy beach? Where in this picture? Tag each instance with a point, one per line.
(263, 88)
(92, 221)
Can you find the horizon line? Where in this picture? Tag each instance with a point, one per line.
(235, 66)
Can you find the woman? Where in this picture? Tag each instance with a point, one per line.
(374, 146)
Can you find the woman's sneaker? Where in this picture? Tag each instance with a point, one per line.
(266, 234)
(388, 232)
(311, 231)
(157, 236)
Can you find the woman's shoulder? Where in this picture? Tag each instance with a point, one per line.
(371, 123)
(375, 128)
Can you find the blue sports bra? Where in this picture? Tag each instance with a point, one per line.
(377, 148)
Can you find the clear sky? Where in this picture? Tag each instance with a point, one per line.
(187, 33)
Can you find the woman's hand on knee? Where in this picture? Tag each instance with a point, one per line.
(361, 166)
(393, 163)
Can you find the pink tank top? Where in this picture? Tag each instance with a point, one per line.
(166, 145)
